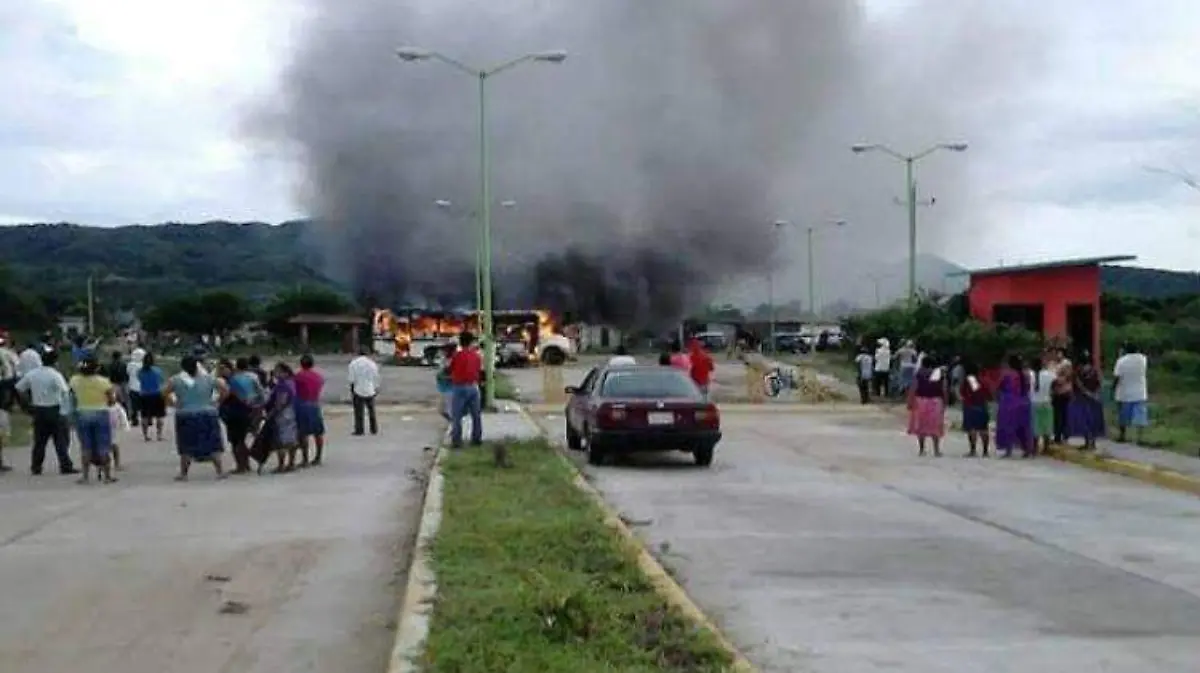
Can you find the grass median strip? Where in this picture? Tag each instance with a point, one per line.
(530, 578)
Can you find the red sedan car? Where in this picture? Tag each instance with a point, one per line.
(627, 408)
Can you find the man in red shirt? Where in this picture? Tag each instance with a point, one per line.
(310, 422)
(465, 369)
(701, 366)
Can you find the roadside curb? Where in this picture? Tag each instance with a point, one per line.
(1151, 474)
(1144, 472)
(666, 586)
(416, 606)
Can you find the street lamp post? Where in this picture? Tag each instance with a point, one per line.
(812, 276)
(446, 204)
(778, 226)
(413, 54)
(910, 161)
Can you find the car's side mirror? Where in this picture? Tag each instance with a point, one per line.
(571, 390)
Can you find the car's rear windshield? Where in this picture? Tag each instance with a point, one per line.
(648, 384)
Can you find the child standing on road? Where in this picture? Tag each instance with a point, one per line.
(445, 387)
(119, 421)
(866, 370)
(1043, 407)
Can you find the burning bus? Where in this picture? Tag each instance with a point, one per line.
(420, 337)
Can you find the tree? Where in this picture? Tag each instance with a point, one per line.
(208, 313)
(19, 309)
(304, 300)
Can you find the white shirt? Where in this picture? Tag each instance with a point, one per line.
(135, 381)
(883, 359)
(364, 376)
(46, 387)
(1131, 370)
(30, 360)
(865, 366)
(622, 361)
(9, 363)
(1040, 394)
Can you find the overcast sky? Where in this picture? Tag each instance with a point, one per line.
(128, 111)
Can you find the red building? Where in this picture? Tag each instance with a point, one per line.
(1057, 299)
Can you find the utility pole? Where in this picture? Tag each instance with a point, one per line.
(91, 304)
(910, 161)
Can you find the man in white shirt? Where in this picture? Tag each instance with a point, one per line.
(866, 370)
(1130, 391)
(133, 370)
(622, 358)
(48, 395)
(883, 367)
(364, 386)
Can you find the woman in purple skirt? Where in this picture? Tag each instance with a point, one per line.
(1014, 416)
(1085, 414)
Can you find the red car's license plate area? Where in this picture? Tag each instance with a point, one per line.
(660, 418)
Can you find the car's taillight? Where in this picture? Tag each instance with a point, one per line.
(610, 415)
(708, 416)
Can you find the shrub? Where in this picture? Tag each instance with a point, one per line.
(938, 328)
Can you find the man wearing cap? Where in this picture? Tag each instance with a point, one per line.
(49, 397)
(29, 360)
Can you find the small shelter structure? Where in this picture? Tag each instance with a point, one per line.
(1059, 299)
(349, 326)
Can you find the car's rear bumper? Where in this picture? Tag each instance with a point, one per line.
(653, 439)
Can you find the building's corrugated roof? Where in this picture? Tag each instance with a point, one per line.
(1041, 266)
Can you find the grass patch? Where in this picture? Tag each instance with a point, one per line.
(530, 578)
(1174, 416)
(21, 433)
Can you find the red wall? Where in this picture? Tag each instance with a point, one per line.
(1053, 288)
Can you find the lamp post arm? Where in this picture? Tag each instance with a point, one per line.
(456, 64)
(507, 65)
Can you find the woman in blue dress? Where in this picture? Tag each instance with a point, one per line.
(1085, 413)
(196, 394)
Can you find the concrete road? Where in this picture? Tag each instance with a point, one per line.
(151, 576)
(821, 542)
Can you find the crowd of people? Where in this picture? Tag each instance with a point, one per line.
(1039, 403)
(239, 405)
(696, 362)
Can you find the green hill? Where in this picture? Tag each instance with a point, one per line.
(1148, 283)
(137, 266)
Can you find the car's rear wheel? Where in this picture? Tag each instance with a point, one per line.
(596, 455)
(553, 356)
(704, 455)
(574, 441)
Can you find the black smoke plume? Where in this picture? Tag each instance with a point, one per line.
(648, 169)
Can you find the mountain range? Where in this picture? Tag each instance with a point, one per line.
(136, 266)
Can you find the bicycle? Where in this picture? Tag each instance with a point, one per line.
(778, 380)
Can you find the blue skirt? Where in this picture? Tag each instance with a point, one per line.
(975, 418)
(95, 433)
(309, 420)
(1085, 417)
(198, 435)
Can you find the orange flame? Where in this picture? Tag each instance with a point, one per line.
(405, 329)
